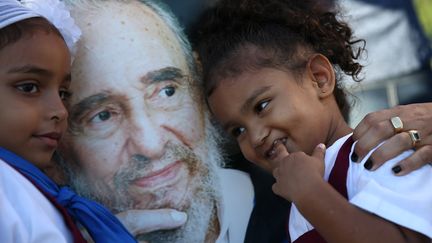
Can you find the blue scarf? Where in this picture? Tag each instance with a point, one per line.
(101, 224)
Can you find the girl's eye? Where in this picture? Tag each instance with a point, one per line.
(64, 94)
(237, 131)
(167, 91)
(261, 106)
(28, 88)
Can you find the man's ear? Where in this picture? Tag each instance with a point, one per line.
(322, 74)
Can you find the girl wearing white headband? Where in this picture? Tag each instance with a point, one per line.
(37, 38)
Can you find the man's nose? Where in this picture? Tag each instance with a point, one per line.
(146, 137)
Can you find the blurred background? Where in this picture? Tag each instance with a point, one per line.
(424, 12)
(188, 10)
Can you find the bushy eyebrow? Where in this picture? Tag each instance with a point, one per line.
(168, 73)
(93, 101)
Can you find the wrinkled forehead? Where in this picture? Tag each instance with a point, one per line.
(120, 33)
(124, 17)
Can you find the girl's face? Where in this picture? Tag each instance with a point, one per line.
(268, 106)
(34, 79)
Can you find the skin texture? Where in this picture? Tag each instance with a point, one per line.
(137, 137)
(376, 127)
(35, 76)
(296, 162)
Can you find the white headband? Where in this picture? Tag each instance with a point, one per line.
(12, 11)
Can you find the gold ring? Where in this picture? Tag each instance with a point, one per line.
(415, 137)
(397, 124)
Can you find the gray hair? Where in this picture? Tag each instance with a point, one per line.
(163, 11)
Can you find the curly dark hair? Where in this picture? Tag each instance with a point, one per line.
(239, 35)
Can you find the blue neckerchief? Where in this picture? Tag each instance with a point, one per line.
(101, 224)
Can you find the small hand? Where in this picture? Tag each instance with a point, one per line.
(297, 172)
(145, 221)
(376, 127)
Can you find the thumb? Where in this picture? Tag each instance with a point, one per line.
(319, 152)
(281, 151)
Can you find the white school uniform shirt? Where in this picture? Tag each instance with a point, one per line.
(26, 215)
(403, 200)
(236, 205)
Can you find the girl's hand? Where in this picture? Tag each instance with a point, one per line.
(297, 173)
(376, 127)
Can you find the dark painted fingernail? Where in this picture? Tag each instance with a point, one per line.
(354, 157)
(368, 165)
(397, 169)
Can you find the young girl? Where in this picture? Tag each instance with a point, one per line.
(34, 81)
(271, 77)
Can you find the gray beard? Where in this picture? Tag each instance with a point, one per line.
(201, 211)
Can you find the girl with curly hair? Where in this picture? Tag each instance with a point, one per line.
(272, 77)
